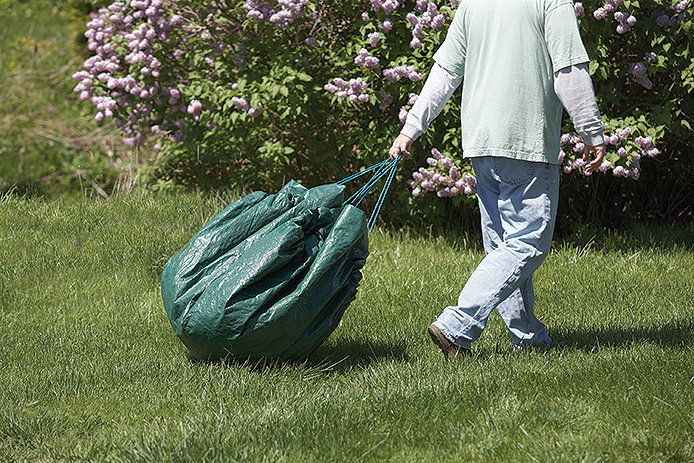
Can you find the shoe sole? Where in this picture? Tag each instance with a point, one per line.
(449, 349)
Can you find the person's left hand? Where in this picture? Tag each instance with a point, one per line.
(599, 156)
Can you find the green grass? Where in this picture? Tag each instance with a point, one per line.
(49, 141)
(91, 369)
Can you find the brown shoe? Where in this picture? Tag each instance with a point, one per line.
(450, 350)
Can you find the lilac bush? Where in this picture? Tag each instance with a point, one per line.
(139, 45)
(622, 154)
(443, 177)
(254, 92)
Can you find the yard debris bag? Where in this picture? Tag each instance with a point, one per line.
(271, 275)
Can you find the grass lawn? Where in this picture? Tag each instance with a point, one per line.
(49, 140)
(91, 369)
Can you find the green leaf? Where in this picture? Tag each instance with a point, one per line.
(592, 67)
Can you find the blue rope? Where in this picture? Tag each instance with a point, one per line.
(385, 167)
(359, 174)
(374, 215)
(381, 199)
(360, 194)
(369, 186)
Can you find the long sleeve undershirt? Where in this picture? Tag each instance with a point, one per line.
(572, 85)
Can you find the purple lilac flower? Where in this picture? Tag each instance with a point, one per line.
(387, 99)
(366, 60)
(580, 11)
(195, 107)
(619, 171)
(604, 166)
(396, 73)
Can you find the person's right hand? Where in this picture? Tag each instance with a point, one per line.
(401, 145)
(599, 155)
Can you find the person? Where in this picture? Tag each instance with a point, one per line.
(520, 62)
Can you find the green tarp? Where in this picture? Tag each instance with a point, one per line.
(268, 277)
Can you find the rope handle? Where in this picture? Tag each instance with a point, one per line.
(383, 168)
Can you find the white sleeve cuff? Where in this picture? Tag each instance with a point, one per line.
(594, 139)
(411, 131)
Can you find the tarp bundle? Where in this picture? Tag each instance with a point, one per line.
(271, 275)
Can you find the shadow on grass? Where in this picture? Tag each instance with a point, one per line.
(634, 237)
(342, 356)
(677, 334)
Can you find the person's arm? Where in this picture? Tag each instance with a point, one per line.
(436, 92)
(566, 50)
(574, 87)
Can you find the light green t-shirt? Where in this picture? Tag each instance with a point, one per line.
(507, 52)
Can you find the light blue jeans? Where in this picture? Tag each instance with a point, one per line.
(518, 205)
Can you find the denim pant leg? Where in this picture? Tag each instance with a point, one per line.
(516, 310)
(525, 194)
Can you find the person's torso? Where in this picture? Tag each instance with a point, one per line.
(509, 106)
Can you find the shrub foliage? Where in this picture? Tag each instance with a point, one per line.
(249, 94)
